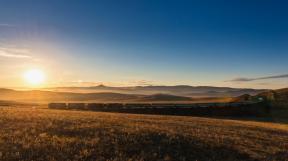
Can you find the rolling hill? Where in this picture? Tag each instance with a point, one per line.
(48, 96)
(163, 97)
(126, 94)
(276, 95)
(179, 90)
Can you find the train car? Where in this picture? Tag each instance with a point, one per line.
(185, 105)
(137, 105)
(95, 106)
(163, 105)
(78, 106)
(114, 106)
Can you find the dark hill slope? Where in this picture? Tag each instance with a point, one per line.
(163, 97)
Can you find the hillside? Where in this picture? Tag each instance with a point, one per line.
(280, 95)
(43, 134)
(180, 90)
(36, 95)
(163, 97)
(48, 96)
(242, 98)
(276, 95)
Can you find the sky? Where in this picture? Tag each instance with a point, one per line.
(240, 43)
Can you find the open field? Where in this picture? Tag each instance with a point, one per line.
(47, 134)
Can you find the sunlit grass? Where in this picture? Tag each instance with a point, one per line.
(44, 134)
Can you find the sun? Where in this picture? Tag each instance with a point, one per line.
(34, 77)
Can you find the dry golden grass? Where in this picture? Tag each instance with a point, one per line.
(45, 134)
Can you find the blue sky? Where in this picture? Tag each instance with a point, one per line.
(146, 42)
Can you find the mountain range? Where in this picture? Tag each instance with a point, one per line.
(127, 94)
(180, 90)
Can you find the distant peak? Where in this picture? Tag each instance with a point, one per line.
(101, 85)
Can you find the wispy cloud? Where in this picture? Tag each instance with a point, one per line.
(6, 25)
(4, 54)
(259, 78)
(15, 53)
(77, 83)
(142, 82)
